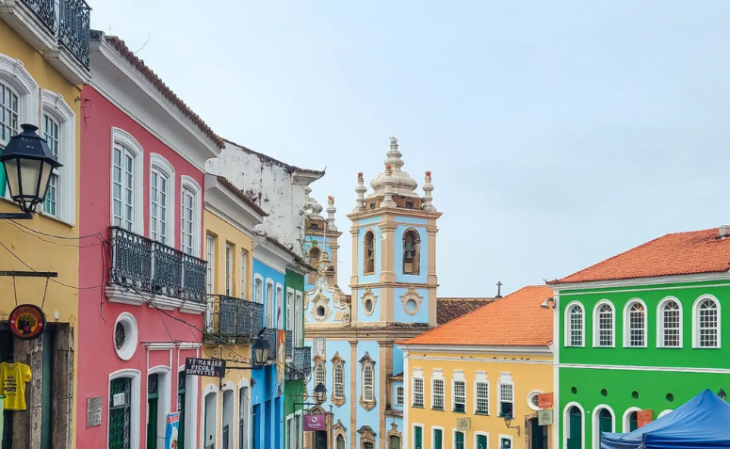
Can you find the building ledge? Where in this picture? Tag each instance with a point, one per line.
(122, 295)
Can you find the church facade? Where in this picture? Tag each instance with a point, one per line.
(393, 297)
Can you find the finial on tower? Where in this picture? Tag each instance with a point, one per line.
(388, 182)
(360, 190)
(427, 198)
(331, 213)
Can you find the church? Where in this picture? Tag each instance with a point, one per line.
(392, 297)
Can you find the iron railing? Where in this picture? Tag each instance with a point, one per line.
(301, 365)
(269, 335)
(289, 344)
(45, 10)
(70, 24)
(143, 264)
(230, 318)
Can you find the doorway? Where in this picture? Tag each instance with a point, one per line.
(575, 428)
(538, 435)
(320, 439)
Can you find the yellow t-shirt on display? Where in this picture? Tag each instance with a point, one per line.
(14, 377)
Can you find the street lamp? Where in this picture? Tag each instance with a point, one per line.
(319, 393)
(508, 422)
(721, 394)
(260, 352)
(29, 164)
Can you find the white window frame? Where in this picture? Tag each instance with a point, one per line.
(505, 437)
(566, 424)
(53, 105)
(164, 388)
(399, 399)
(596, 423)
(279, 308)
(660, 338)
(458, 377)
(696, 322)
(627, 323)
(244, 273)
(210, 257)
(418, 375)
(14, 75)
(258, 289)
(481, 378)
(505, 379)
(210, 389)
(290, 300)
(568, 328)
(163, 167)
(320, 367)
(189, 185)
(365, 366)
(531, 395)
(596, 320)
(135, 410)
(335, 366)
(269, 301)
(228, 260)
(124, 141)
(453, 438)
(438, 376)
(627, 416)
(299, 323)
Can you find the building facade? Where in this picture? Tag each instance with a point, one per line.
(475, 381)
(641, 331)
(143, 155)
(44, 61)
(298, 358)
(393, 297)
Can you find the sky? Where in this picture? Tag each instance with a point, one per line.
(559, 133)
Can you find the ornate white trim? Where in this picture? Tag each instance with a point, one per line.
(368, 295)
(54, 105)
(14, 73)
(131, 333)
(192, 186)
(162, 165)
(124, 139)
(411, 294)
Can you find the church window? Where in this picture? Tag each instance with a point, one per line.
(319, 374)
(369, 253)
(367, 382)
(411, 252)
(339, 381)
(314, 254)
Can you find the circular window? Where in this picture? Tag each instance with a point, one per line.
(411, 306)
(670, 397)
(604, 392)
(369, 306)
(532, 400)
(635, 395)
(574, 390)
(320, 312)
(125, 336)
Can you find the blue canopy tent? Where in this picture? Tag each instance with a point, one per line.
(702, 423)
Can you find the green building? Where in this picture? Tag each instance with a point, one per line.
(641, 331)
(298, 358)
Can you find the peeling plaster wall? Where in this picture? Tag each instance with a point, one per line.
(269, 183)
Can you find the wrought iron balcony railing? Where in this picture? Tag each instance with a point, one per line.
(269, 335)
(301, 365)
(69, 23)
(230, 319)
(149, 266)
(289, 344)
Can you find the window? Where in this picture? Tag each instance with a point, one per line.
(459, 440)
(244, 274)
(482, 398)
(229, 269)
(9, 112)
(340, 442)
(51, 132)
(399, 396)
(18, 98)
(438, 438)
(604, 324)
(369, 253)
(319, 374)
(258, 290)
(314, 254)
(269, 303)
(339, 381)
(459, 394)
(418, 392)
(210, 257)
(533, 400)
(124, 410)
(298, 321)
(635, 324)
(575, 327)
(162, 194)
(279, 304)
(437, 394)
(394, 441)
(290, 318)
(190, 221)
(506, 400)
(669, 324)
(127, 165)
(411, 252)
(367, 383)
(707, 323)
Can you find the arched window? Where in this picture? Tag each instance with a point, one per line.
(707, 323)
(340, 442)
(575, 330)
(314, 254)
(603, 324)
(602, 422)
(573, 428)
(394, 442)
(319, 374)
(369, 253)
(338, 374)
(635, 324)
(411, 252)
(162, 200)
(669, 324)
(367, 383)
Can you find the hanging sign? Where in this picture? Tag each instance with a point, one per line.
(643, 418)
(545, 401)
(173, 425)
(314, 422)
(205, 367)
(545, 417)
(27, 322)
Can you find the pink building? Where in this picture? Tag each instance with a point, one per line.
(143, 154)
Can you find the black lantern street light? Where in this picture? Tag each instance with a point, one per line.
(320, 392)
(260, 352)
(29, 164)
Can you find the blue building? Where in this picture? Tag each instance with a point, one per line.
(393, 297)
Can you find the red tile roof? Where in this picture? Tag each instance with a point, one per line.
(515, 320)
(139, 64)
(673, 254)
(448, 309)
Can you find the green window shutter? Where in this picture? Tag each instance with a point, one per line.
(438, 439)
(481, 442)
(418, 438)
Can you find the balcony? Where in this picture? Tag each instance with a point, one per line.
(301, 365)
(232, 320)
(143, 270)
(57, 28)
(289, 344)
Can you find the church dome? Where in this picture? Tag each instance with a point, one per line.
(393, 178)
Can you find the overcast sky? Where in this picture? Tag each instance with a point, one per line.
(559, 133)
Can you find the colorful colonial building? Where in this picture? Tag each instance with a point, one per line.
(143, 155)
(474, 382)
(641, 331)
(44, 61)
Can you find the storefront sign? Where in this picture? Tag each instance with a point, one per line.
(93, 411)
(315, 422)
(27, 322)
(545, 417)
(173, 425)
(545, 401)
(643, 417)
(205, 367)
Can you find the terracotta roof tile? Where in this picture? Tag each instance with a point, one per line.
(515, 320)
(673, 254)
(448, 309)
(139, 64)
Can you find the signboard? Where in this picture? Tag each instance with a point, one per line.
(643, 417)
(118, 400)
(545, 417)
(173, 423)
(27, 322)
(205, 367)
(93, 411)
(315, 422)
(545, 401)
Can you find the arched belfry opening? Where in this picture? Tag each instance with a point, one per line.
(411, 252)
(369, 253)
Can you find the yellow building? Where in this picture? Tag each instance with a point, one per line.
(474, 382)
(44, 58)
(232, 318)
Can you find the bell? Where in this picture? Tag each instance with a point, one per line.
(409, 250)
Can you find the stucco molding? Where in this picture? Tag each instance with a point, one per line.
(369, 295)
(367, 361)
(367, 435)
(409, 295)
(14, 73)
